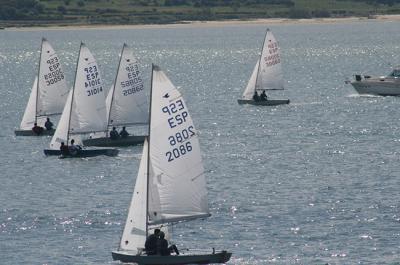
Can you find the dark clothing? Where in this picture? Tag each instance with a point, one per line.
(74, 149)
(263, 96)
(256, 97)
(123, 133)
(162, 247)
(48, 125)
(151, 245)
(64, 150)
(114, 135)
(37, 130)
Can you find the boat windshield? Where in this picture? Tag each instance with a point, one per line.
(395, 73)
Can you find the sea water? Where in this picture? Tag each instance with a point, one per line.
(313, 182)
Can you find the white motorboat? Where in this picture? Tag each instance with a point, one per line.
(383, 86)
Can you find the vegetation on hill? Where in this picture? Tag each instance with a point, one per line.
(170, 11)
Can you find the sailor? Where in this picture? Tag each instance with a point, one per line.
(114, 134)
(123, 133)
(256, 97)
(48, 124)
(151, 243)
(37, 129)
(64, 149)
(162, 246)
(263, 96)
(74, 149)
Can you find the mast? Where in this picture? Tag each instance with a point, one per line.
(73, 91)
(148, 150)
(115, 81)
(259, 63)
(37, 83)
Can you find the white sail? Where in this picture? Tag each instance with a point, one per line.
(53, 89)
(28, 119)
(61, 133)
(134, 235)
(270, 75)
(177, 186)
(251, 85)
(88, 105)
(128, 98)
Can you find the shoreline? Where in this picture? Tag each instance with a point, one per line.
(220, 23)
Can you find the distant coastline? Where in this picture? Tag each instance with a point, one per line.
(218, 23)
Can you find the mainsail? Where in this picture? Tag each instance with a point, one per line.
(270, 72)
(88, 112)
(49, 90)
(126, 100)
(177, 185)
(53, 89)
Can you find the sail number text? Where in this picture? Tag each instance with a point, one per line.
(55, 73)
(134, 83)
(178, 115)
(273, 58)
(92, 82)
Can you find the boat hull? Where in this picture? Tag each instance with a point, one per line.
(107, 142)
(219, 257)
(31, 133)
(269, 102)
(84, 152)
(380, 87)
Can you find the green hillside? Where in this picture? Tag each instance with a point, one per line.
(170, 11)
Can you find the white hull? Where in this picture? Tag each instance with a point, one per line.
(382, 87)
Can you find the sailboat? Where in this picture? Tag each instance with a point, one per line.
(267, 75)
(48, 94)
(170, 185)
(85, 109)
(126, 102)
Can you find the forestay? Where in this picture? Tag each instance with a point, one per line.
(52, 89)
(126, 100)
(270, 71)
(177, 186)
(88, 112)
(134, 235)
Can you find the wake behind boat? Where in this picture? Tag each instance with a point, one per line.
(126, 104)
(266, 75)
(48, 95)
(383, 86)
(170, 185)
(84, 112)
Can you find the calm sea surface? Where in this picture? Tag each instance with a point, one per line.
(313, 182)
